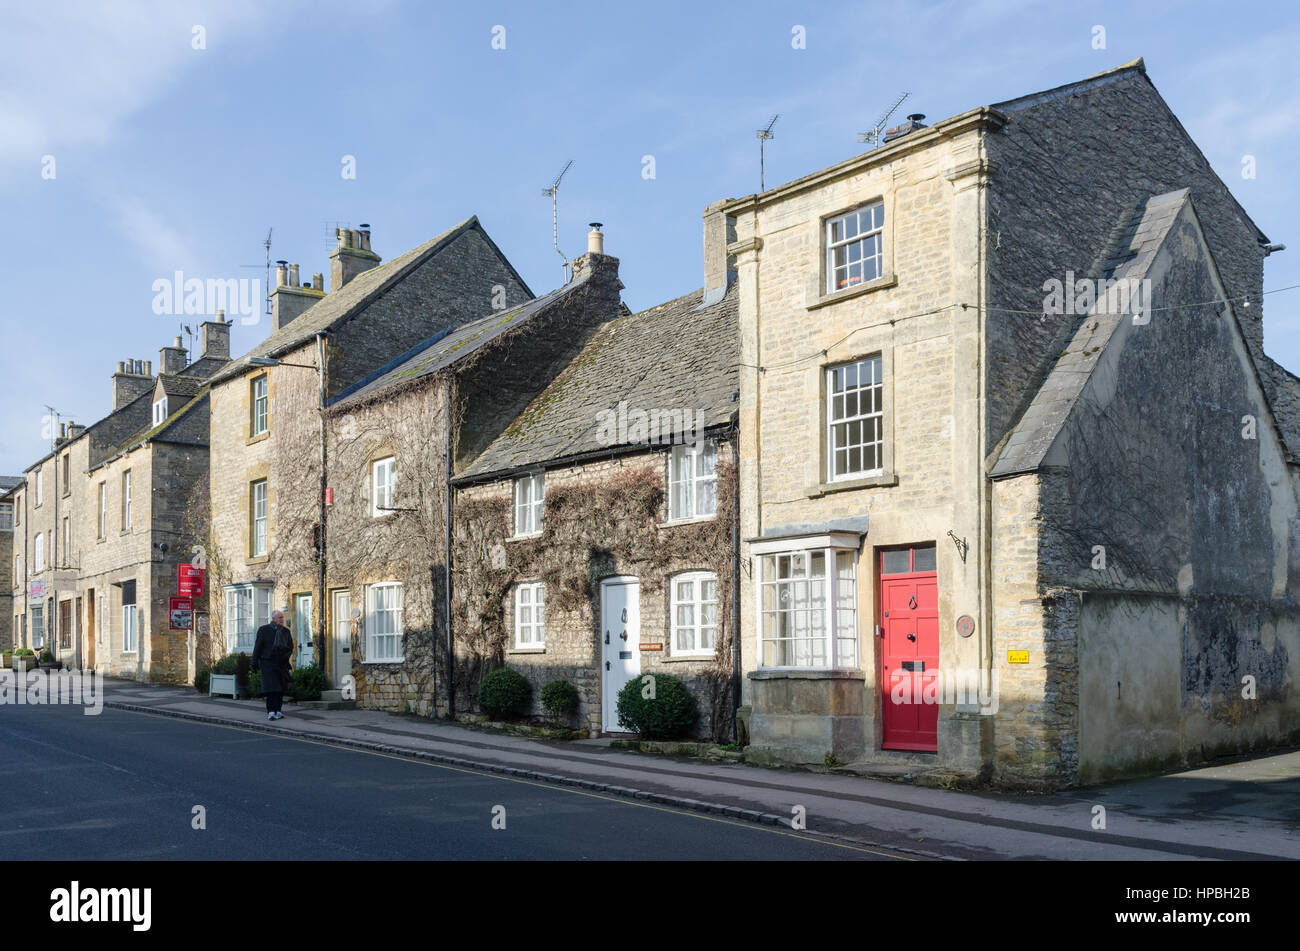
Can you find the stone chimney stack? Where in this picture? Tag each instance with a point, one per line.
(216, 337)
(719, 268)
(597, 265)
(173, 359)
(352, 256)
(130, 381)
(289, 300)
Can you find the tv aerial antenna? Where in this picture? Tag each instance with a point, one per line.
(763, 135)
(267, 286)
(873, 137)
(553, 194)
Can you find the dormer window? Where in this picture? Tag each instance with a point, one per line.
(159, 410)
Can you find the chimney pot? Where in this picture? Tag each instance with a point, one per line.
(121, 366)
(148, 368)
(293, 275)
(595, 240)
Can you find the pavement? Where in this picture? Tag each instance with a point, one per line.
(1242, 810)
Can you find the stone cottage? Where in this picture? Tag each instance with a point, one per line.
(143, 474)
(396, 439)
(270, 483)
(1017, 481)
(595, 535)
(10, 563)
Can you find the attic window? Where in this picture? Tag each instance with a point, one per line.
(159, 410)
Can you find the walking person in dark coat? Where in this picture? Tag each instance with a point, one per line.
(272, 650)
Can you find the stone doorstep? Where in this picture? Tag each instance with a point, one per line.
(932, 777)
(324, 704)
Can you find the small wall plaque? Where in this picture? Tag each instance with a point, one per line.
(965, 625)
(651, 647)
(1017, 657)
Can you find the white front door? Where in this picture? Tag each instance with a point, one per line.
(620, 627)
(302, 630)
(341, 637)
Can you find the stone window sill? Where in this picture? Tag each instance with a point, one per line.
(260, 437)
(696, 520)
(824, 300)
(257, 560)
(380, 663)
(805, 673)
(688, 658)
(844, 485)
(531, 536)
(526, 650)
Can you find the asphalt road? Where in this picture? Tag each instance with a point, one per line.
(124, 785)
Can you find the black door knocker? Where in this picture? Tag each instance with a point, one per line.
(911, 602)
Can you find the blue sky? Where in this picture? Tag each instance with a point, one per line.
(173, 158)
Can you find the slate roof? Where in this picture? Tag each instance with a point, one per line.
(677, 355)
(183, 386)
(337, 306)
(444, 349)
(1282, 389)
(9, 482)
(1130, 257)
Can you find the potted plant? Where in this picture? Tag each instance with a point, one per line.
(24, 659)
(48, 661)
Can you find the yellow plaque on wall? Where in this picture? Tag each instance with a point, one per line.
(1017, 657)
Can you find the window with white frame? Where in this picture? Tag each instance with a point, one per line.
(6, 516)
(530, 501)
(383, 481)
(257, 546)
(693, 480)
(258, 403)
(103, 510)
(130, 628)
(66, 541)
(384, 623)
(855, 419)
(159, 410)
(248, 607)
(694, 613)
(126, 500)
(530, 615)
(38, 552)
(808, 608)
(855, 247)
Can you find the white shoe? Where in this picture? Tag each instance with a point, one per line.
(270, 716)
(279, 715)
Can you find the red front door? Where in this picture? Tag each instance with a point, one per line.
(909, 655)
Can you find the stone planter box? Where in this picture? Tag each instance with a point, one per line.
(24, 664)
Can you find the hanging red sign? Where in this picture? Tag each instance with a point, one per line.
(189, 581)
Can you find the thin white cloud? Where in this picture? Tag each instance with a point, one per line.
(71, 73)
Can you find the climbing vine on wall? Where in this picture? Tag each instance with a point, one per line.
(592, 532)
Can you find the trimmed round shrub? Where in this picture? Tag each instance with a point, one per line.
(308, 682)
(657, 707)
(503, 692)
(24, 652)
(560, 698)
(202, 679)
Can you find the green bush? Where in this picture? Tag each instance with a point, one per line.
(202, 679)
(308, 682)
(24, 652)
(47, 656)
(242, 664)
(560, 698)
(668, 715)
(254, 686)
(226, 665)
(503, 692)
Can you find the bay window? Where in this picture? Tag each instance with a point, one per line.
(808, 606)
